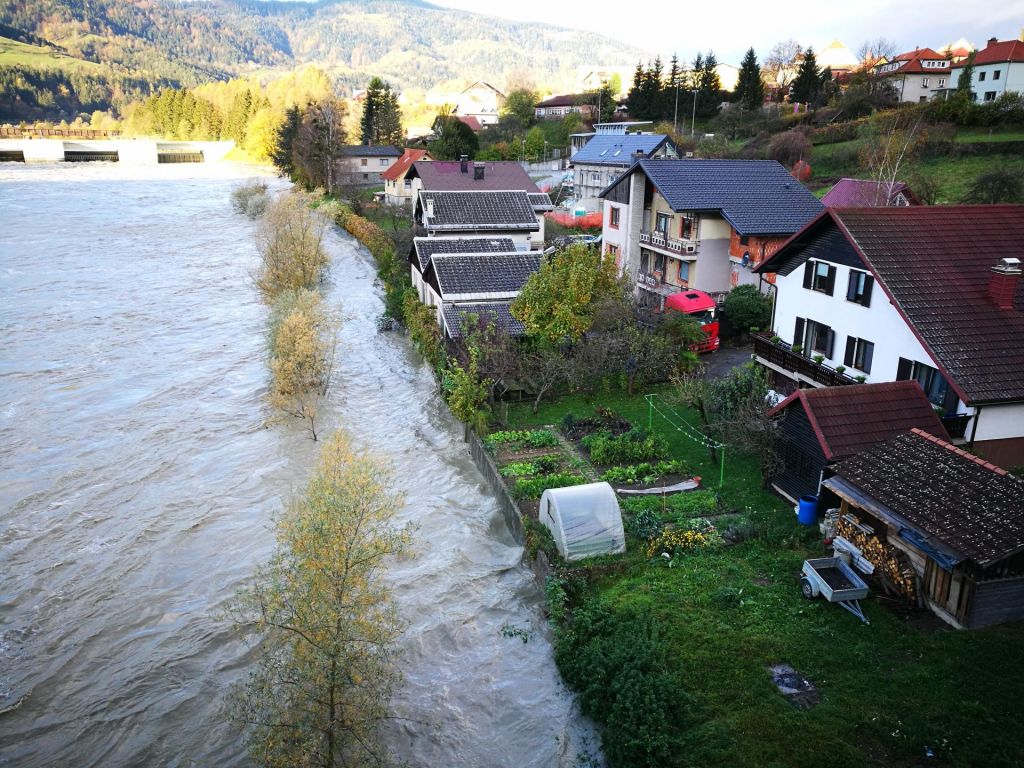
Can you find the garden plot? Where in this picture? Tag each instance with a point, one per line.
(531, 461)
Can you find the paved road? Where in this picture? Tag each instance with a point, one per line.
(720, 362)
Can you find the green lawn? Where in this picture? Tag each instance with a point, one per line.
(14, 53)
(989, 134)
(889, 690)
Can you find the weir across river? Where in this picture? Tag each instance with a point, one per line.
(133, 151)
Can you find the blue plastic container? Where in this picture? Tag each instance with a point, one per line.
(807, 513)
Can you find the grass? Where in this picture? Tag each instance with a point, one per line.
(889, 690)
(14, 53)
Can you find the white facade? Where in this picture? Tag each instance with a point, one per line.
(990, 81)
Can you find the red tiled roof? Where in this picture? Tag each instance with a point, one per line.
(403, 164)
(912, 62)
(499, 176)
(847, 420)
(995, 53)
(850, 193)
(966, 503)
(935, 263)
(472, 122)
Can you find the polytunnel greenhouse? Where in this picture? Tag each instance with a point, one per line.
(584, 520)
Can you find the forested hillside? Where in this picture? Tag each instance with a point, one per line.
(411, 44)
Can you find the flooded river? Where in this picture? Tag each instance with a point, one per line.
(139, 475)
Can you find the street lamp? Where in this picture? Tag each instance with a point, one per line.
(675, 115)
(693, 118)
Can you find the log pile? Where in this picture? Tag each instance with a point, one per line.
(891, 566)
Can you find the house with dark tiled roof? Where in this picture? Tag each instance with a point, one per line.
(606, 156)
(497, 213)
(866, 193)
(927, 293)
(458, 318)
(425, 248)
(954, 519)
(997, 68)
(557, 107)
(818, 427)
(916, 75)
(361, 165)
(678, 224)
(398, 187)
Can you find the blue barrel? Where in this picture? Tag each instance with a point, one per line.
(808, 510)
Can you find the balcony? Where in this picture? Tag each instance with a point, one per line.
(780, 355)
(956, 425)
(661, 241)
(653, 283)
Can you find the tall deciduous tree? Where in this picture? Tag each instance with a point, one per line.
(781, 64)
(521, 105)
(453, 138)
(319, 143)
(749, 92)
(326, 670)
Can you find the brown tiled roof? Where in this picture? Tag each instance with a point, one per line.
(404, 163)
(569, 100)
(447, 176)
(471, 121)
(969, 505)
(847, 420)
(935, 263)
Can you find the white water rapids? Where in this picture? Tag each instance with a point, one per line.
(139, 474)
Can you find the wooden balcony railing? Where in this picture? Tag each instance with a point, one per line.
(781, 354)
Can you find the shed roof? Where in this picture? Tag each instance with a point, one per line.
(849, 419)
(447, 175)
(465, 211)
(758, 197)
(480, 274)
(971, 506)
(457, 315)
(425, 247)
(618, 149)
(934, 263)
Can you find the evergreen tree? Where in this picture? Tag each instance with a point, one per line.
(749, 92)
(634, 99)
(381, 122)
(963, 82)
(807, 85)
(709, 87)
(371, 103)
(284, 141)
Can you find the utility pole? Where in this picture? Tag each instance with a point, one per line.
(693, 118)
(675, 115)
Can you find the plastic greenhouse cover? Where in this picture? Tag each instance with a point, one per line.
(584, 520)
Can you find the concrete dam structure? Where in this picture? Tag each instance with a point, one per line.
(133, 151)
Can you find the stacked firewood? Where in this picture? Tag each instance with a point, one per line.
(891, 566)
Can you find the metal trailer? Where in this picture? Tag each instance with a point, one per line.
(836, 581)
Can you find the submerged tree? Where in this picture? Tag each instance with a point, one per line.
(326, 671)
(289, 240)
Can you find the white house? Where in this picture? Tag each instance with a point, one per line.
(606, 156)
(997, 68)
(482, 101)
(916, 75)
(926, 293)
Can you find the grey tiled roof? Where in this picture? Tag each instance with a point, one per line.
(447, 176)
(456, 316)
(479, 211)
(540, 201)
(483, 273)
(426, 247)
(617, 149)
(378, 150)
(758, 197)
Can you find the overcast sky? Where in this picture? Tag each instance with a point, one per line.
(729, 27)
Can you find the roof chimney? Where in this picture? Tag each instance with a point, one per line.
(991, 41)
(464, 163)
(430, 208)
(478, 171)
(1002, 283)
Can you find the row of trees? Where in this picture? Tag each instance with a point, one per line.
(655, 92)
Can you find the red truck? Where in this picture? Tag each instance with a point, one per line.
(702, 308)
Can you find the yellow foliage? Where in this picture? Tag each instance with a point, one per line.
(290, 243)
(674, 542)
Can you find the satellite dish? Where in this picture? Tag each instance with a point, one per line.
(746, 259)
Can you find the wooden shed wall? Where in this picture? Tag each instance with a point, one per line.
(996, 602)
(801, 453)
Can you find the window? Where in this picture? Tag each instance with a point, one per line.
(613, 252)
(383, 162)
(995, 75)
(981, 77)
(942, 82)
(408, 183)
(363, 161)
(645, 262)
(819, 276)
(744, 240)
(924, 82)
(688, 227)
(662, 222)
(858, 354)
(684, 271)
(595, 177)
(613, 216)
(859, 288)
(990, 95)
(366, 176)
(820, 338)
(934, 384)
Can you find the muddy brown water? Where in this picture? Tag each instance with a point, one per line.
(139, 476)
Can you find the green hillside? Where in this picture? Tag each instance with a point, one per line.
(14, 53)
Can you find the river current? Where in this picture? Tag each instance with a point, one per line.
(140, 471)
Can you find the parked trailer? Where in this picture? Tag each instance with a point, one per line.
(836, 581)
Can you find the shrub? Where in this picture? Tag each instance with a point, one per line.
(645, 525)
(744, 309)
(674, 543)
(424, 332)
(789, 147)
(250, 198)
(643, 472)
(634, 445)
(534, 487)
(290, 243)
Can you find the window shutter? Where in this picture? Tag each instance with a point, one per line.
(831, 284)
(851, 286)
(830, 341)
(808, 273)
(866, 298)
(848, 357)
(903, 369)
(869, 352)
(798, 332)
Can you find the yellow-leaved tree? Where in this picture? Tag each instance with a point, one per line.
(326, 618)
(290, 242)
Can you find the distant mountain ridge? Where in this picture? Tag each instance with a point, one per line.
(409, 42)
